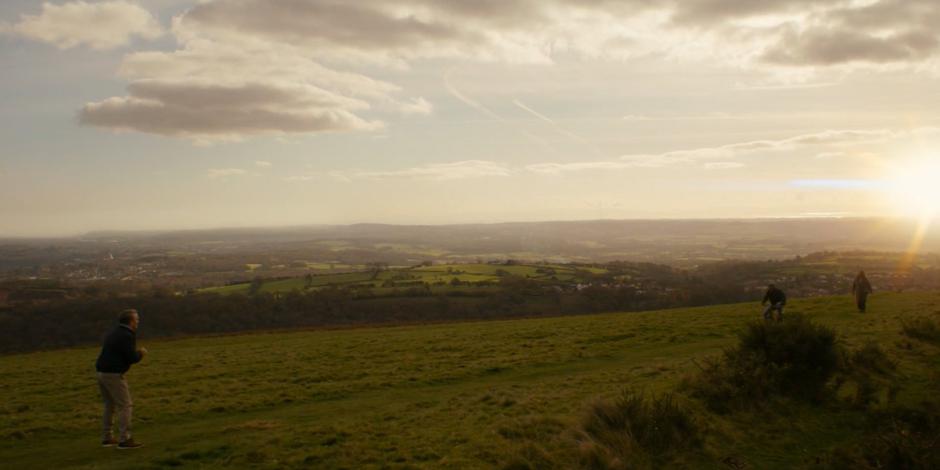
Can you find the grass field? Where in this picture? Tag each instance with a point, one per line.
(466, 273)
(439, 396)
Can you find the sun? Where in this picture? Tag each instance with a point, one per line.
(915, 187)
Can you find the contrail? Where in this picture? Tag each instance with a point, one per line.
(488, 112)
(467, 100)
(559, 129)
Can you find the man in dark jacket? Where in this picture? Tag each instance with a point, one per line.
(775, 299)
(118, 352)
(860, 289)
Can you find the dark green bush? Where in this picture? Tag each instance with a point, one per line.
(795, 358)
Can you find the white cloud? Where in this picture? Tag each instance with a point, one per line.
(417, 106)
(256, 66)
(262, 164)
(434, 172)
(220, 91)
(300, 178)
(723, 165)
(203, 111)
(556, 168)
(785, 32)
(722, 157)
(104, 25)
(215, 173)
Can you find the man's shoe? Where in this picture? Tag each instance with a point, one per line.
(110, 442)
(129, 444)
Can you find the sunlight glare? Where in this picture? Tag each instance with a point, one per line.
(916, 187)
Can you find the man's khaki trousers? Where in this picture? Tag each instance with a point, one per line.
(117, 399)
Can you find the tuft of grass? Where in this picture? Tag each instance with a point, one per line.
(899, 438)
(635, 431)
(922, 328)
(871, 357)
(871, 372)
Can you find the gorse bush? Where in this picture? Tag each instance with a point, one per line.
(797, 355)
(636, 432)
(795, 358)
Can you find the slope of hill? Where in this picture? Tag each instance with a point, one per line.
(456, 395)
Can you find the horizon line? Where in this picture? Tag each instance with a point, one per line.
(155, 231)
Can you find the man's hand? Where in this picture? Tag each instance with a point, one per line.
(142, 351)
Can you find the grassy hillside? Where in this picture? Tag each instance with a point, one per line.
(469, 395)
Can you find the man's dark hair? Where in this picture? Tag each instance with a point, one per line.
(125, 317)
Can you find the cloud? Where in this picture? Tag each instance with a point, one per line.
(836, 46)
(209, 91)
(400, 31)
(722, 157)
(837, 184)
(557, 168)
(215, 173)
(203, 110)
(435, 171)
(705, 12)
(212, 90)
(416, 106)
(872, 32)
(784, 32)
(785, 42)
(262, 164)
(105, 25)
(300, 178)
(257, 67)
(723, 165)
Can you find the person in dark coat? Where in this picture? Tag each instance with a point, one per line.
(775, 299)
(860, 289)
(118, 353)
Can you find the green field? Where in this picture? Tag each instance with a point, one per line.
(407, 277)
(461, 395)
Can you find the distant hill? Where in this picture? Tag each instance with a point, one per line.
(681, 243)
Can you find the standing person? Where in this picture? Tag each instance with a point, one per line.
(118, 353)
(776, 299)
(860, 289)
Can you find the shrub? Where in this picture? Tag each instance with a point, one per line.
(636, 432)
(901, 438)
(794, 358)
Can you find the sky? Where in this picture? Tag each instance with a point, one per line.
(165, 114)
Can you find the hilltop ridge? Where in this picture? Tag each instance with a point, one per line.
(459, 395)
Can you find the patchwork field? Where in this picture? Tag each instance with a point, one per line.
(468, 395)
(438, 277)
